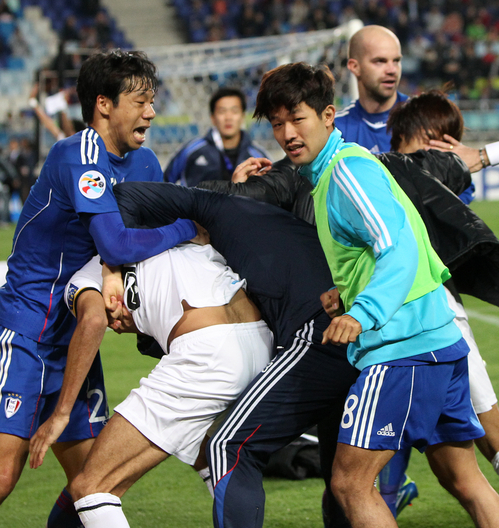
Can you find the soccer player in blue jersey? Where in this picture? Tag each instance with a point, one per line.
(413, 388)
(70, 214)
(375, 59)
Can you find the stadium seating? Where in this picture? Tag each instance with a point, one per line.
(59, 10)
(39, 23)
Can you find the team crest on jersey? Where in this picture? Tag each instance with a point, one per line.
(12, 404)
(92, 184)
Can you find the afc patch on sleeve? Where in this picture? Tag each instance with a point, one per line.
(92, 184)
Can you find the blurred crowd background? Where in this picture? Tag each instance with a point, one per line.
(42, 40)
(454, 40)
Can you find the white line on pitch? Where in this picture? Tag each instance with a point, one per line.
(491, 319)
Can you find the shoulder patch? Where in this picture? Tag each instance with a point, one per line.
(92, 184)
(70, 298)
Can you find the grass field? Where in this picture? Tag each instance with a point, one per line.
(173, 496)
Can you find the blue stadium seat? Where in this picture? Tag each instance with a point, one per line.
(6, 30)
(15, 63)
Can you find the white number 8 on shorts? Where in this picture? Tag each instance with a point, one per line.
(350, 405)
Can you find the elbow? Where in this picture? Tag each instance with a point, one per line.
(111, 259)
(115, 256)
(97, 321)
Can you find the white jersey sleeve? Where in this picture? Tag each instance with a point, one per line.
(197, 274)
(492, 150)
(87, 278)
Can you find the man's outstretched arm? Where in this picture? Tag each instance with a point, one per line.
(152, 204)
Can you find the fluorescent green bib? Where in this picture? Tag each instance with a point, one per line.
(352, 267)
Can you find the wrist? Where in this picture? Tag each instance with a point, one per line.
(62, 414)
(33, 102)
(483, 158)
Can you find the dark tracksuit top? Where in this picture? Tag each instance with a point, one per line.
(283, 262)
(279, 254)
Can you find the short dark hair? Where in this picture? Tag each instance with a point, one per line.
(227, 92)
(292, 84)
(78, 125)
(430, 114)
(111, 74)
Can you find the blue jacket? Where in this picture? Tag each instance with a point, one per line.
(363, 212)
(201, 159)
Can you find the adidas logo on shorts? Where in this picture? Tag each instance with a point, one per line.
(386, 431)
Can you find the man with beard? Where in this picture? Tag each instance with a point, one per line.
(375, 59)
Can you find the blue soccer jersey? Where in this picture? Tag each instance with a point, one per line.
(368, 130)
(51, 243)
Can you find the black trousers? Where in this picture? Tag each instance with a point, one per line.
(305, 383)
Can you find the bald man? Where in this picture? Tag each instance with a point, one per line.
(375, 58)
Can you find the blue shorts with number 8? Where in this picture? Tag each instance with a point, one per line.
(393, 407)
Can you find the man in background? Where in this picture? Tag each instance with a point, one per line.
(375, 59)
(221, 150)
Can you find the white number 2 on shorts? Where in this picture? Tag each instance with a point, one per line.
(94, 418)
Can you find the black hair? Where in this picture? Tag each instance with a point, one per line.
(111, 74)
(227, 92)
(291, 84)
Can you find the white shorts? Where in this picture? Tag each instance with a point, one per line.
(482, 393)
(204, 372)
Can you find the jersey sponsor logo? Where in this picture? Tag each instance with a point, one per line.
(386, 431)
(12, 404)
(92, 184)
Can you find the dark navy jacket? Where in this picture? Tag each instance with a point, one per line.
(200, 160)
(279, 255)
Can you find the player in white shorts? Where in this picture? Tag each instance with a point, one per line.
(483, 396)
(215, 343)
